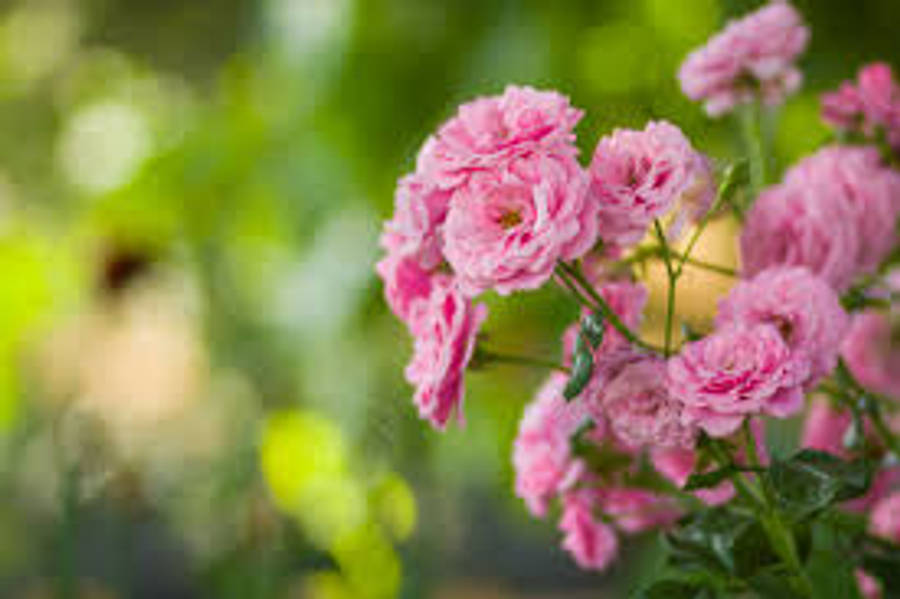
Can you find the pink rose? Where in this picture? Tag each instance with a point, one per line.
(752, 56)
(592, 543)
(639, 408)
(445, 328)
(885, 519)
(871, 105)
(871, 353)
(804, 309)
(405, 283)
(734, 373)
(414, 229)
(508, 227)
(834, 213)
(542, 456)
(490, 131)
(638, 176)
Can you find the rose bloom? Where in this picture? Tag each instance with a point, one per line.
(640, 410)
(542, 456)
(752, 56)
(803, 307)
(872, 354)
(591, 542)
(734, 373)
(638, 176)
(414, 229)
(871, 104)
(869, 586)
(490, 131)
(444, 328)
(834, 213)
(508, 227)
(825, 427)
(405, 283)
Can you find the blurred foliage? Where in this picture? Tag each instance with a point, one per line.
(201, 393)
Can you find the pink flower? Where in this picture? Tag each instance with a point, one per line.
(637, 510)
(872, 354)
(885, 519)
(490, 131)
(753, 56)
(508, 227)
(542, 456)
(445, 328)
(640, 409)
(804, 309)
(414, 229)
(734, 373)
(834, 213)
(869, 586)
(638, 176)
(592, 543)
(405, 283)
(872, 104)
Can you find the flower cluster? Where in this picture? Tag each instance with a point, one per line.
(626, 435)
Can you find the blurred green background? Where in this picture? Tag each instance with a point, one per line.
(201, 391)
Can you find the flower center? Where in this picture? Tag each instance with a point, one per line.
(509, 219)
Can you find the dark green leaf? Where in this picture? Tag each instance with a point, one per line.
(774, 583)
(828, 568)
(582, 368)
(811, 480)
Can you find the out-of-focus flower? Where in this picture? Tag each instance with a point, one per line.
(445, 329)
(637, 510)
(592, 542)
(640, 409)
(752, 57)
(870, 106)
(542, 455)
(868, 585)
(825, 427)
(677, 464)
(872, 354)
(638, 176)
(508, 226)
(885, 519)
(833, 213)
(734, 373)
(804, 309)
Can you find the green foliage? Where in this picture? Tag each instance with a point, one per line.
(811, 481)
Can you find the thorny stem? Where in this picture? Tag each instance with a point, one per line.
(577, 283)
(673, 275)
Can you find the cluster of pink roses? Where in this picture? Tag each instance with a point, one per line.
(499, 201)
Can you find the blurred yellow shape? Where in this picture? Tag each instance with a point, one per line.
(37, 38)
(395, 506)
(369, 562)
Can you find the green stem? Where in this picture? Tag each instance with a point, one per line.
(488, 356)
(695, 237)
(881, 427)
(600, 305)
(655, 251)
(741, 484)
(750, 117)
(670, 292)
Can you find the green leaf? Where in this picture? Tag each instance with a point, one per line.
(592, 328)
(810, 481)
(721, 540)
(582, 368)
(829, 569)
(774, 583)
